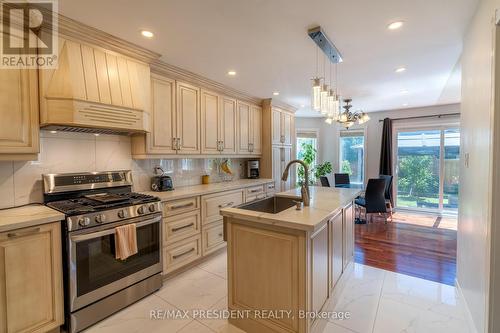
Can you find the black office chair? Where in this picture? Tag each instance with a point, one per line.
(342, 180)
(387, 192)
(324, 181)
(374, 200)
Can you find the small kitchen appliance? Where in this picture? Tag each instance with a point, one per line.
(96, 284)
(253, 169)
(161, 182)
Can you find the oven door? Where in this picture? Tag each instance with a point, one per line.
(94, 273)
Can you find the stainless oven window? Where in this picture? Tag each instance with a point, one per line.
(96, 265)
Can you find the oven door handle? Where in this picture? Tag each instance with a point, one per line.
(79, 238)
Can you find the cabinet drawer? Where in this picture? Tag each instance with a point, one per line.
(181, 253)
(181, 226)
(213, 238)
(254, 190)
(180, 206)
(270, 187)
(212, 204)
(251, 198)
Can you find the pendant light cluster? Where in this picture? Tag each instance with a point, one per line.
(324, 95)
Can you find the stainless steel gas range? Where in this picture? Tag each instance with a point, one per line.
(97, 284)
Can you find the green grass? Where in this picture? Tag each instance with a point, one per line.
(407, 201)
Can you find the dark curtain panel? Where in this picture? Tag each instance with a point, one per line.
(386, 152)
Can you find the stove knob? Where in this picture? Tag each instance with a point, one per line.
(141, 210)
(122, 214)
(84, 221)
(100, 218)
(152, 208)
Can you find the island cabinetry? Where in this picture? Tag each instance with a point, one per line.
(274, 266)
(31, 290)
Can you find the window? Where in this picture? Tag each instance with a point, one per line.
(352, 155)
(427, 168)
(305, 138)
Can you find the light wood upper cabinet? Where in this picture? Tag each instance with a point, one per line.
(256, 127)
(218, 124)
(282, 127)
(287, 127)
(188, 118)
(19, 129)
(93, 87)
(244, 133)
(228, 125)
(163, 118)
(250, 129)
(31, 290)
(210, 123)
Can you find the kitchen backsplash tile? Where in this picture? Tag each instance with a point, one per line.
(20, 182)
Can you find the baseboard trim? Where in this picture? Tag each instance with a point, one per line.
(468, 315)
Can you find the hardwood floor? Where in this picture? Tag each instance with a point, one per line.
(424, 250)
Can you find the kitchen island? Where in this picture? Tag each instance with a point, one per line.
(283, 265)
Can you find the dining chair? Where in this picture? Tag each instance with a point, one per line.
(324, 181)
(342, 180)
(387, 193)
(374, 199)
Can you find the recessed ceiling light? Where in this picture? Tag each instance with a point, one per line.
(53, 132)
(231, 73)
(404, 91)
(405, 104)
(147, 33)
(96, 134)
(276, 93)
(400, 69)
(395, 25)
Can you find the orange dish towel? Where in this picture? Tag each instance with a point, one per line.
(125, 241)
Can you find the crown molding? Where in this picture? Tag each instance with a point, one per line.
(279, 104)
(177, 73)
(82, 32)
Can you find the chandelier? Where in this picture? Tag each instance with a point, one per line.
(324, 95)
(348, 118)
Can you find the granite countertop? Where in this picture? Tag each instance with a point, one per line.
(27, 216)
(191, 191)
(325, 202)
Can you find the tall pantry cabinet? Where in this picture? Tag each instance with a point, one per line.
(278, 147)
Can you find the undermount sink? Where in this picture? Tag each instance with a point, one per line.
(271, 205)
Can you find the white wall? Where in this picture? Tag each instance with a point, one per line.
(474, 225)
(328, 134)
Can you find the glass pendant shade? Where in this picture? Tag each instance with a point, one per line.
(316, 98)
(329, 121)
(343, 117)
(331, 103)
(324, 99)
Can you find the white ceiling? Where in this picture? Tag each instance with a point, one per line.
(266, 42)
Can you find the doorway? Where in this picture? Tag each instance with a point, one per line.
(427, 168)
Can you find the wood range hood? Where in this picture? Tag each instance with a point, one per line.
(94, 90)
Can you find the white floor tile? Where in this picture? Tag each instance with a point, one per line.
(195, 327)
(360, 297)
(195, 289)
(333, 328)
(425, 294)
(137, 318)
(216, 265)
(400, 317)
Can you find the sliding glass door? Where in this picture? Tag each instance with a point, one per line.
(427, 166)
